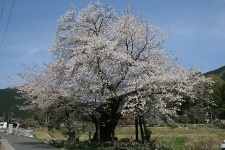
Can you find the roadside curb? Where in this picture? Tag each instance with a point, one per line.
(5, 145)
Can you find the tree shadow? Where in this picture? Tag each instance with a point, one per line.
(38, 145)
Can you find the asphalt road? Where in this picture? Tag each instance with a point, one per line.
(20, 143)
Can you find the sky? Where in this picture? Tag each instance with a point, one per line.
(196, 28)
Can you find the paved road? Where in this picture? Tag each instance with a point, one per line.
(20, 143)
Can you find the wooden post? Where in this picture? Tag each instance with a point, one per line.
(98, 130)
(141, 129)
(89, 135)
(136, 128)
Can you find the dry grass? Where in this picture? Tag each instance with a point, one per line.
(204, 143)
(57, 134)
(197, 138)
(125, 132)
(42, 135)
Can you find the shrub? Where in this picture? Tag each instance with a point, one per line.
(172, 125)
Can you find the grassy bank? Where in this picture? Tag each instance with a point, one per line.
(192, 137)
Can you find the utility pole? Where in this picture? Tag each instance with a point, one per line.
(186, 116)
(11, 114)
(3, 118)
(211, 117)
(98, 132)
(46, 119)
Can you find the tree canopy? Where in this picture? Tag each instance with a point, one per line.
(110, 65)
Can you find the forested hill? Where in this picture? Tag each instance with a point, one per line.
(220, 72)
(8, 104)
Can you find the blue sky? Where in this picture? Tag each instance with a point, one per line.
(196, 27)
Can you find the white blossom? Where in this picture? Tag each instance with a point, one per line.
(100, 56)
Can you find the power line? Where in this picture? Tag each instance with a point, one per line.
(7, 24)
(2, 9)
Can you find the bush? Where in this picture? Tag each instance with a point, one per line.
(172, 125)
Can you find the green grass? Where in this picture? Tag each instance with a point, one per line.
(184, 138)
(176, 142)
(190, 138)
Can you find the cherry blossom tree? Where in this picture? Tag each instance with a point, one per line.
(110, 65)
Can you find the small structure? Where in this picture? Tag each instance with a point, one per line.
(126, 120)
(10, 129)
(222, 146)
(219, 123)
(3, 125)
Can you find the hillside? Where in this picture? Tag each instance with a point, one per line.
(220, 72)
(8, 104)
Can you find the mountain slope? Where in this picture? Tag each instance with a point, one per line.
(220, 72)
(8, 104)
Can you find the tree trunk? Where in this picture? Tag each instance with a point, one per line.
(141, 129)
(71, 137)
(107, 131)
(109, 117)
(136, 128)
(70, 132)
(147, 131)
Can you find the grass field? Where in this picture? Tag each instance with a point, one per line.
(193, 137)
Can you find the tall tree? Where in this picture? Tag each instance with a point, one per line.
(112, 64)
